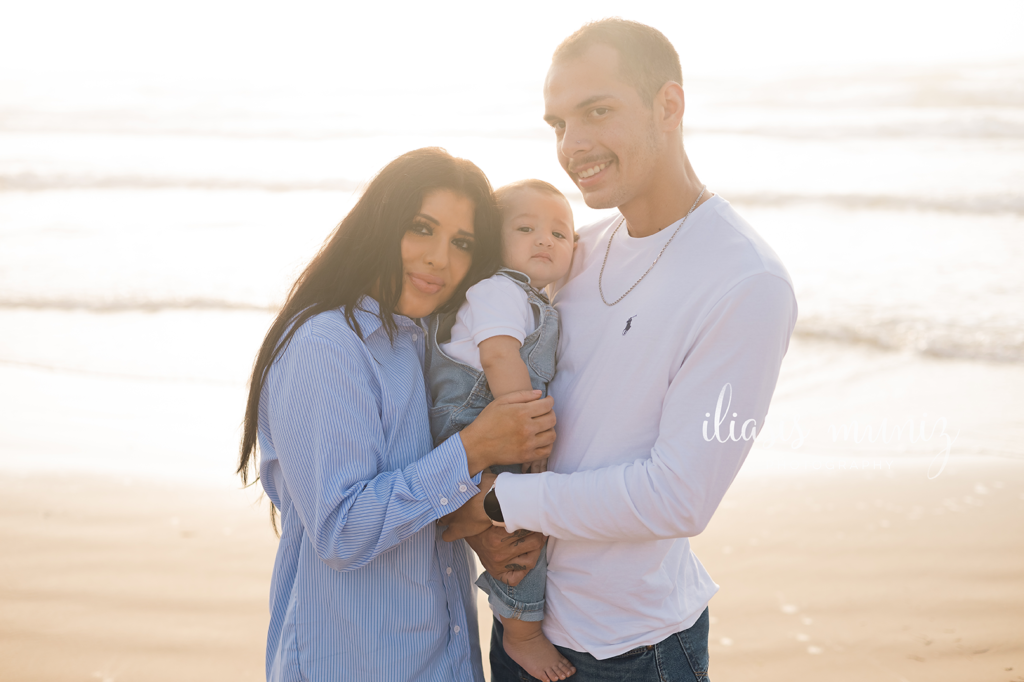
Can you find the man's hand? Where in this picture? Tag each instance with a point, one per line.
(515, 428)
(470, 518)
(508, 557)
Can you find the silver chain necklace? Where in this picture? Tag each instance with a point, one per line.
(608, 250)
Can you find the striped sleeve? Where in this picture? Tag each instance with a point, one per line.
(325, 416)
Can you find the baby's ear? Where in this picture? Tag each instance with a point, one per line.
(575, 241)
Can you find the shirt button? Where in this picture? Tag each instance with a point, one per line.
(444, 500)
(448, 570)
(456, 628)
(414, 337)
(462, 488)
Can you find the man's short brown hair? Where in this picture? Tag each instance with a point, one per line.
(647, 59)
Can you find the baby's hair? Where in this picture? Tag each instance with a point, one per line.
(502, 194)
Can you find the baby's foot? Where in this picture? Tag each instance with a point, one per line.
(534, 652)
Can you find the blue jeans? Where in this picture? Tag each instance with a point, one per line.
(682, 657)
(523, 602)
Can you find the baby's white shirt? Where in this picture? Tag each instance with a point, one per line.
(496, 306)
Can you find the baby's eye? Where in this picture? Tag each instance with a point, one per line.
(600, 111)
(524, 228)
(558, 235)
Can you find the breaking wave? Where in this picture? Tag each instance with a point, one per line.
(995, 203)
(985, 341)
(131, 305)
(31, 182)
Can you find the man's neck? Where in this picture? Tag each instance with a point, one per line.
(667, 198)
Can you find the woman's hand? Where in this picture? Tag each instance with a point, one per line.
(515, 428)
(469, 519)
(508, 557)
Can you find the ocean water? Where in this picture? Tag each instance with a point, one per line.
(148, 233)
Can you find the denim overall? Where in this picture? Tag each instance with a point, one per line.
(460, 392)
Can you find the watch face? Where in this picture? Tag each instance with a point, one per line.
(492, 507)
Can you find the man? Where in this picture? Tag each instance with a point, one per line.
(675, 320)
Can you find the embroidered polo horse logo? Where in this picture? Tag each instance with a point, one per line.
(629, 325)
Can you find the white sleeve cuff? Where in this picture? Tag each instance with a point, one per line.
(520, 498)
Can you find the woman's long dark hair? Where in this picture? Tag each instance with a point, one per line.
(364, 254)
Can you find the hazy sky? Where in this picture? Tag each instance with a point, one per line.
(422, 44)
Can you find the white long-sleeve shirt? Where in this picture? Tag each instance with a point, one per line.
(637, 467)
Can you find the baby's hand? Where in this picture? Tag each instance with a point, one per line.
(537, 466)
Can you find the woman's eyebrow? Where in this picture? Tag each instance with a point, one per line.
(434, 221)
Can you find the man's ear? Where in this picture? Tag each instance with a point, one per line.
(670, 104)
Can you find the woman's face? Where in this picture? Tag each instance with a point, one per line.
(437, 252)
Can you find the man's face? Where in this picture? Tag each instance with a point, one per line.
(606, 136)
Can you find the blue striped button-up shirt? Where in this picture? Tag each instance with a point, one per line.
(364, 588)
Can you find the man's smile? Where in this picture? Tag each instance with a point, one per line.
(592, 170)
(590, 173)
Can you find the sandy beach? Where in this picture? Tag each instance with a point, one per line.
(881, 575)
(841, 555)
(837, 559)
(841, 575)
(105, 579)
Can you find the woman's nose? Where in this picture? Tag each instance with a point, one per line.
(436, 255)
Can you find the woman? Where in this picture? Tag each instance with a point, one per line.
(363, 586)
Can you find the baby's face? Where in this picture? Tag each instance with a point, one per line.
(537, 235)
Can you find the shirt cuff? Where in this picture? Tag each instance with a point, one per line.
(445, 478)
(521, 498)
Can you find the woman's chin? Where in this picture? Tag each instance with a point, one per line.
(420, 307)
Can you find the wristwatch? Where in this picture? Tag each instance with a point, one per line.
(493, 508)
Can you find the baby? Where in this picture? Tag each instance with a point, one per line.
(503, 340)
